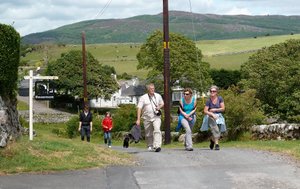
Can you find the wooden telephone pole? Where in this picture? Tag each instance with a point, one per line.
(167, 99)
(85, 99)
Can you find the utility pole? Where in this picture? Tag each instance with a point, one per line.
(85, 100)
(167, 100)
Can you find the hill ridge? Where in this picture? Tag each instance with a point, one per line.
(137, 28)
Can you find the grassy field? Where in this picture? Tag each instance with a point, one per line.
(227, 54)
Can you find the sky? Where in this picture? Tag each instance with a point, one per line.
(33, 16)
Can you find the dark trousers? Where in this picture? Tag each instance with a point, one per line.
(86, 131)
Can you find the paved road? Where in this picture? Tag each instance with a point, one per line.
(174, 169)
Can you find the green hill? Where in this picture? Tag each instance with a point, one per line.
(136, 29)
(227, 54)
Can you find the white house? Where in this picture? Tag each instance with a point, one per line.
(128, 93)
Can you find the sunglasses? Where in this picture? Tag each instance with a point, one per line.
(186, 94)
(213, 91)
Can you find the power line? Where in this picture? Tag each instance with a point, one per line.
(103, 9)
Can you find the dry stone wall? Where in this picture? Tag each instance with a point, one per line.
(284, 131)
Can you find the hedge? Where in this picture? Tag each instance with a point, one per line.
(9, 59)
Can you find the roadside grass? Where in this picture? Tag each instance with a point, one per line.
(49, 152)
(22, 105)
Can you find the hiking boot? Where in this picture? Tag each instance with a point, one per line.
(217, 147)
(212, 144)
(158, 149)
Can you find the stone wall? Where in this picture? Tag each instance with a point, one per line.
(57, 117)
(10, 128)
(284, 131)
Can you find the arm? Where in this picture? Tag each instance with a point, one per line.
(209, 113)
(161, 104)
(80, 123)
(221, 109)
(194, 110)
(79, 128)
(139, 112)
(91, 122)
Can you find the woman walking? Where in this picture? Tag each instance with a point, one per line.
(213, 118)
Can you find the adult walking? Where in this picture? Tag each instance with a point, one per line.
(187, 116)
(148, 109)
(213, 118)
(85, 123)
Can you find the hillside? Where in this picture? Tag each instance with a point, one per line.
(136, 29)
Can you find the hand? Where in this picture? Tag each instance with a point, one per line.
(91, 129)
(79, 129)
(215, 116)
(138, 122)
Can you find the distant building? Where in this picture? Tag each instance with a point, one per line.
(129, 93)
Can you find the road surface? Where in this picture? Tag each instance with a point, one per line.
(175, 169)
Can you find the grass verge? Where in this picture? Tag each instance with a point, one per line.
(48, 152)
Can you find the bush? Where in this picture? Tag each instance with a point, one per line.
(9, 59)
(72, 127)
(124, 117)
(73, 124)
(242, 110)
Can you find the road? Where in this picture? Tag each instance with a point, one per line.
(173, 169)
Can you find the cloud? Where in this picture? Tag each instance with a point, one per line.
(238, 11)
(31, 16)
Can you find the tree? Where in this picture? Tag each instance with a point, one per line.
(185, 62)
(225, 78)
(275, 73)
(68, 68)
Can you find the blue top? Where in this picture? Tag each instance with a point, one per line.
(187, 108)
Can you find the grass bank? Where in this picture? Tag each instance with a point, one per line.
(49, 152)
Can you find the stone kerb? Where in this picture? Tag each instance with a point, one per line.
(279, 131)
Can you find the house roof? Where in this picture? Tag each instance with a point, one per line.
(138, 90)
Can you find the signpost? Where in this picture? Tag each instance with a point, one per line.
(31, 78)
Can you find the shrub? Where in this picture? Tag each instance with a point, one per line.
(72, 127)
(242, 110)
(124, 117)
(9, 59)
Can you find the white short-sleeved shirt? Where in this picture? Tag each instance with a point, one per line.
(147, 106)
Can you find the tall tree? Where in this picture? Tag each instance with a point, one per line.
(275, 74)
(68, 67)
(185, 62)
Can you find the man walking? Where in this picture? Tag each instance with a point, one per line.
(85, 124)
(148, 109)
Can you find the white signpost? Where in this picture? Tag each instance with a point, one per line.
(31, 78)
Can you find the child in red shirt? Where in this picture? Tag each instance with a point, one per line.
(107, 125)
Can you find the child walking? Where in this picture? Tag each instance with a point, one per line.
(107, 125)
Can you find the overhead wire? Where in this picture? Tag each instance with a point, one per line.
(100, 13)
(195, 39)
